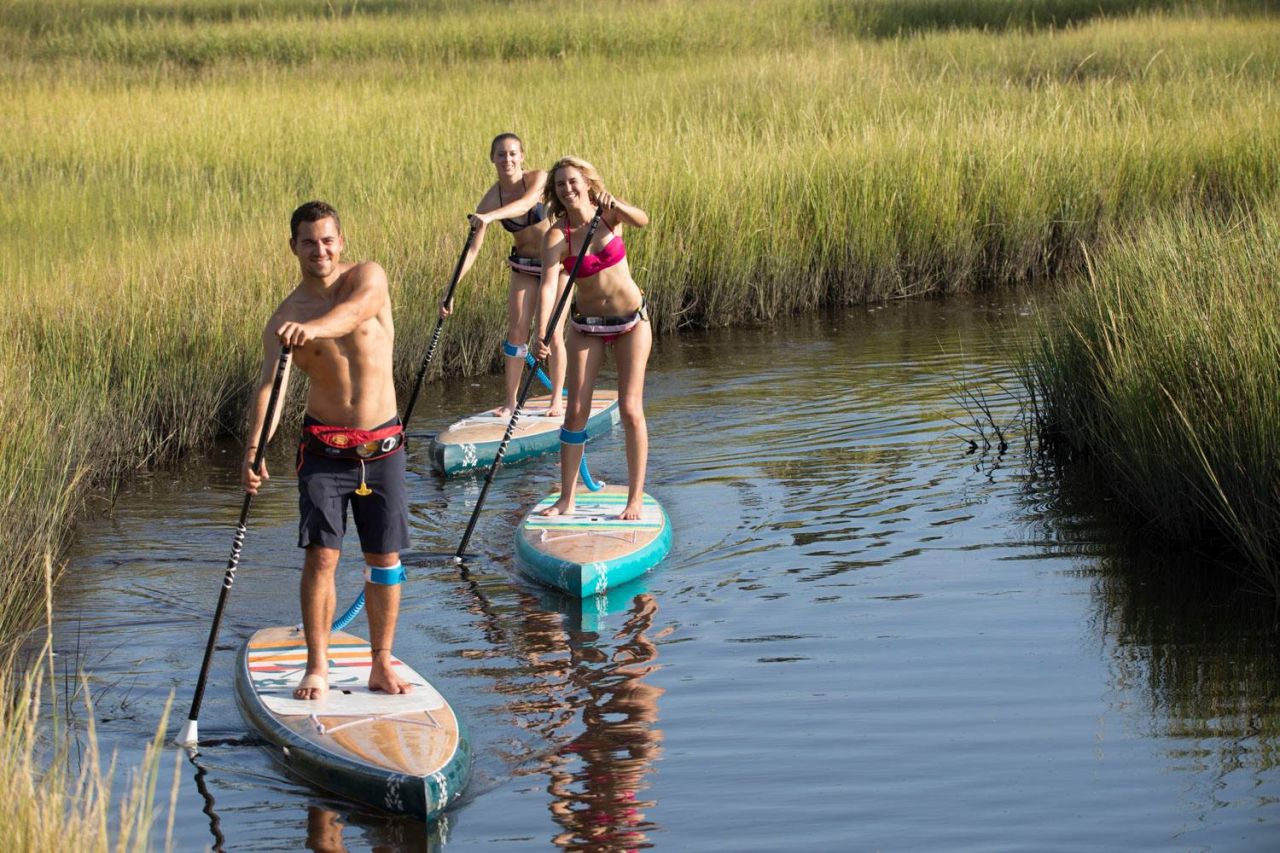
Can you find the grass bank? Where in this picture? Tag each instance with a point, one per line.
(792, 154)
(1160, 374)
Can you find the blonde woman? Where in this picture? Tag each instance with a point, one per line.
(515, 202)
(607, 310)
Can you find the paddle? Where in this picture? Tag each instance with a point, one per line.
(524, 389)
(435, 337)
(189, 735)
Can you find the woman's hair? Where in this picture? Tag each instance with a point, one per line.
(595, 185)
(501, 138)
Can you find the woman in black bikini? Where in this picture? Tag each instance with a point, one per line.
(514, 201)
(608, 308)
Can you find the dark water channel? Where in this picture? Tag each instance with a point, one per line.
(864, 638)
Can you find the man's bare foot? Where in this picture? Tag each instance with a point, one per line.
(554, 412)
(631, 512)
(384, 678)
(564, 506)
(314, 687)
(502, 412)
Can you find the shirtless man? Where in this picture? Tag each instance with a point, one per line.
(337, 322)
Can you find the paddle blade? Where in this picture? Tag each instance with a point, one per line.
(190, 734)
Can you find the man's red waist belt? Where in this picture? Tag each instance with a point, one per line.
(345, 443)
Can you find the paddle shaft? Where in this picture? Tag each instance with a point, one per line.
(435, 337)
(238, 542)
(528, 381)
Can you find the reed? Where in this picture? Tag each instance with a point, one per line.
(56, 793)
(1159, 370)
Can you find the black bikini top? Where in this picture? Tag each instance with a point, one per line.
(535, 215)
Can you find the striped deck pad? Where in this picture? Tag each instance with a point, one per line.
(276, 668)
(595, 511)
(534, 409)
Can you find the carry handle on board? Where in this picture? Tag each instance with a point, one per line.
(189, 736)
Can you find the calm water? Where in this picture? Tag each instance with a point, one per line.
(864, 638)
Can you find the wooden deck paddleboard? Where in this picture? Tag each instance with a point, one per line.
(590, 550)
(404, 753)
(473, 441)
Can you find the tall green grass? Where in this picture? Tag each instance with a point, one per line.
(1161, 371)
(195, 33)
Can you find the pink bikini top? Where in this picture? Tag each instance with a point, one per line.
(615, 250)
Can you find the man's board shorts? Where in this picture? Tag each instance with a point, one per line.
(327, 486)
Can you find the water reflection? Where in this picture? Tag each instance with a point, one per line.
(1203, 651)
(372, 831)
(598, 778)
(325, 828)
(580, 691)
(210, 805)
(326, 833)
(1182, 626)
(1185, 635)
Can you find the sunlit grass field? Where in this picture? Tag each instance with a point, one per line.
(791, 154)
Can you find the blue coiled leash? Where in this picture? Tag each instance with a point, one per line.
(591, 484)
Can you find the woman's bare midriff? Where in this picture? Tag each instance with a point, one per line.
(610, 293)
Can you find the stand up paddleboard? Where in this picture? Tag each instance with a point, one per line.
(591, 550)
(405, 753)
(473, 441)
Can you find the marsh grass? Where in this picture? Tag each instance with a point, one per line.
(56, 788)
(1161, 371)
(198, 33)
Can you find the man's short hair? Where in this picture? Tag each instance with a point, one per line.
(312, 211)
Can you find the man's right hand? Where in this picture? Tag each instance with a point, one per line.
(294, 334)
(250, 478)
